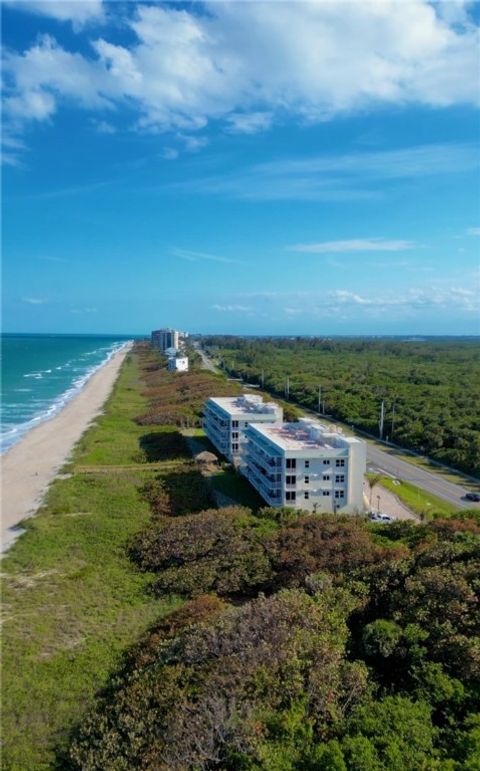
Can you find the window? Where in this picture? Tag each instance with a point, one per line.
(291, 463)
(340, 478)
(340, 462)
(291, 480)
(234, 447)
(339, 494)
(234, 423)
(306, 495)
(307, 464)
(326, 462)
(291, 496)
(235, 435)
(325, 492)
(307, 480)
(326, 478)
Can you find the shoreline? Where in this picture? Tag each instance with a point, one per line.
(31, 465)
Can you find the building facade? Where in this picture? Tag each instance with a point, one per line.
(227, 418)
(165, 338)
(177, 363)
(305, 465)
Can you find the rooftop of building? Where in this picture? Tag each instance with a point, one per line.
(246, 404)
(305, 434)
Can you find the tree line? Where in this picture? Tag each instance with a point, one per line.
(430, 389)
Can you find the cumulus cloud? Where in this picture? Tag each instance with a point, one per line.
(409, 303)
(353, 245)
(249, 64)
(79, 12)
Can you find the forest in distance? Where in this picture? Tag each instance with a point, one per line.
(430, 387)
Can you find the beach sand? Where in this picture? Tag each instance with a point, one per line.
(32, 464)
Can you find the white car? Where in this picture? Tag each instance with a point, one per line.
(378, 517)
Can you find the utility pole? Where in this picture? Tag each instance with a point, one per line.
(393, 422)
(319, 399)
(287, 388)
(382, 416)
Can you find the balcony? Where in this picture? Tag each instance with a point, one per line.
(270, 494)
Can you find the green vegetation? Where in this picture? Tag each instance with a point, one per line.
(236, 487)
(431, 389)
(360, 653)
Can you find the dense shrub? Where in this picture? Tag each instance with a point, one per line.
(230, 551)
(254, 689)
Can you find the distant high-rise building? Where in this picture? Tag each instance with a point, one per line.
(166, 338)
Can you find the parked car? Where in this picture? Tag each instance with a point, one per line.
(377, 516)
(472, 497)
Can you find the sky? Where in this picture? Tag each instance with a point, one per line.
(241, 167)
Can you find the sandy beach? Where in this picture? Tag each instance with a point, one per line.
(31, 465)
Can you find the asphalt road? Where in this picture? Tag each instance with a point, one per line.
(432, 482)
(387, 462)
(207, 363)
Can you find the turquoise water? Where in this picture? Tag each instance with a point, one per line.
(41, 373)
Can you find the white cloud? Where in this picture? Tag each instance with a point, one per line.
(232, 308)
(79, 12)
(250, 123)
(473, 232)
(350, 177)
(248, 64)
(34, 300)
(169, 154)
(193, 256)
(353, 245)
(45, 72)
(104, 127)
(193, 143)
(438, 301)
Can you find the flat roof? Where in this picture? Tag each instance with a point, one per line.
(246, 405)
(300, 436)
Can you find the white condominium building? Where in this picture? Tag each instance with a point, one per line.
(305, 465)
(226, 419)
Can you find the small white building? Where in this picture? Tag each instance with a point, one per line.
(177, 363)
(226, 419)
(305, 465)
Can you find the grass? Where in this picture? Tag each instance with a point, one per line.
(73, 601)
(417, 500)
(228, 482)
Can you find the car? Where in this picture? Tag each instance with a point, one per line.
(472, 497)
(377, 516)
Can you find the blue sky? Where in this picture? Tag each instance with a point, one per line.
(280, 168)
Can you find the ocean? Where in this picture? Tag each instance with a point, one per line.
(41, 373)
